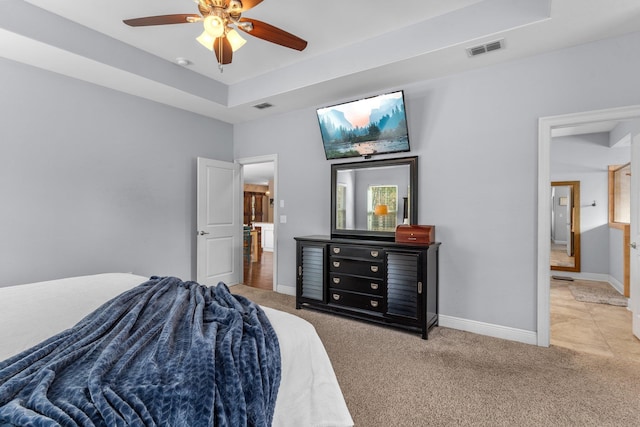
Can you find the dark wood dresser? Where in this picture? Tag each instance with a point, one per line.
(389, 283)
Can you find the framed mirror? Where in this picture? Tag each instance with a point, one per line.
(369, 199)
(565, 226)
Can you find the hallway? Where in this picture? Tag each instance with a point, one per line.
(600, 329)
(259, 274)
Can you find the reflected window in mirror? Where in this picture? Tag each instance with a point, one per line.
(382, 212)
(341, 206)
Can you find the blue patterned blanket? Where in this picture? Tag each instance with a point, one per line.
(166, 352)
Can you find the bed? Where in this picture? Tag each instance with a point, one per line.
(308, 393)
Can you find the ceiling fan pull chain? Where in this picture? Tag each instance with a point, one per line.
(221, 55)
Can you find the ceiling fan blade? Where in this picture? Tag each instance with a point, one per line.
(273, 34)
(248, 4)
(227, 53)
(182, 18)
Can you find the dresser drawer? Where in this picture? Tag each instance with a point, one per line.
(365, 302)
(356, 267)
(373, 254)
(364, 285)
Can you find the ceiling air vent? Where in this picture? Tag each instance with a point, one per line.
(263, 106)
(484, 48)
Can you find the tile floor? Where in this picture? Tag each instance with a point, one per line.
(588, 327)
(559, 257)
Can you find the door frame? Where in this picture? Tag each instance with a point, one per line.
(545, 126)
(269, 158)
(634, 231)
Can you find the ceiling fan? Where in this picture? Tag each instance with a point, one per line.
(219, 18)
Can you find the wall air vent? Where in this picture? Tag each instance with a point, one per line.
(484, 48)
(263, 106)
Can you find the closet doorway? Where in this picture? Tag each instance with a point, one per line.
(259, 190)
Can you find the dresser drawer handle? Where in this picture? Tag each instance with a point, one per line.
(335, 296)
(336, 264)
(336, 250)
(374, 286)
(374, 304)
(374, 254)
(336, 280)
(374, 268)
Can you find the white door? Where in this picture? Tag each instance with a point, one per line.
(569, 221)
(219, 247)
(634, 291)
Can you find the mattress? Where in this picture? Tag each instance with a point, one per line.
(309, 394)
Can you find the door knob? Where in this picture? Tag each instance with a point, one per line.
(201, 233)
(633, 245)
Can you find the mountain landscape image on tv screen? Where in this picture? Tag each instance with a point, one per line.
(365, 127)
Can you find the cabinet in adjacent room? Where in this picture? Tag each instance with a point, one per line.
(384, 282)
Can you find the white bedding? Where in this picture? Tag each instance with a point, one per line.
(309, 393)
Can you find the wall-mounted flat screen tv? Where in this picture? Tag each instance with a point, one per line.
(369, 126)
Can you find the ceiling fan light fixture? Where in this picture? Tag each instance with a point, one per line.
(214, 26)
(222, 22)
(235, 40)
(235, 6)
(206, 40)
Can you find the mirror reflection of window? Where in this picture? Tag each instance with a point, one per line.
(341, 210)
(382, 207)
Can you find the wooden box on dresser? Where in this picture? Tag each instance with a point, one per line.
(395, 284)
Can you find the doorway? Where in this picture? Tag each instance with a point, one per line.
(545, 127)
(259, 192)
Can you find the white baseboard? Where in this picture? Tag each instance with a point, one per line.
(480, 328)
(488, 329)
(598, 277)
(287, 290)
(616, 284)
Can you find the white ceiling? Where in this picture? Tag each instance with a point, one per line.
(356, 47)
(593, 127)
(258, 173)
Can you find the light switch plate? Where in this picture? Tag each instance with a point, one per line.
(283, 219)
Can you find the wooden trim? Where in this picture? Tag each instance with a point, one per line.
(612, 194)
(618, 167)
(611, 174)
(618, 225)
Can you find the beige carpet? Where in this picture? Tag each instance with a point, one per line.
(599, 294)
(393, 378)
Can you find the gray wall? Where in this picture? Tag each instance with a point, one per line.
(477, 137)
(616, 255)
(586, 158)
(92, 180)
